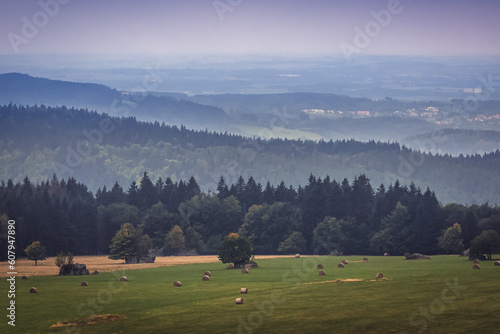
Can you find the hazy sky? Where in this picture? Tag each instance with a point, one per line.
(282, 27)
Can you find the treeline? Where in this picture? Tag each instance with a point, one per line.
(325, 216)
(98, 150)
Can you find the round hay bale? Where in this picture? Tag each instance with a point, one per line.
(244, 271)
(386, 254)
(207, 273)
(95, 272)
(345, 262)
(230, 266)
(243, 290)
(297, 256)
(475, 261)
(239, 301)
(177, 283)
(25, 277)
(319, 266)
(365, 259)
(33, 290)
(340, 265)
(476, 266)
(380, 275)
(84, 284)
(123, 279)
(497, 263)
(322, 273)
(206, 278)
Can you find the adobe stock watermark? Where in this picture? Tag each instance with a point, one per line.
(31, 27)
(416, 158)
(299, 273)
(372, 29)
(224, 6)
(248, 151)
(76, 153)
(95, 304)
(420, 320)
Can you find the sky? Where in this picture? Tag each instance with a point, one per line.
(249, 27)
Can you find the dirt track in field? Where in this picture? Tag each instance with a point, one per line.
(102, 263)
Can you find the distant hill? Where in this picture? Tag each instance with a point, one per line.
(22, 89)
(99, 150)
(27, 90)
(456, 141)
(263, 115)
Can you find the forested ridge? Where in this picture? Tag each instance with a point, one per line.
(322, 217)
(97, 149)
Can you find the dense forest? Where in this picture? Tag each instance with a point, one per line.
(323, 217)
(98, 150)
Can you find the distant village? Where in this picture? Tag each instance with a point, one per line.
(430, 114)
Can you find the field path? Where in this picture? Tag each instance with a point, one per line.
(102, 263)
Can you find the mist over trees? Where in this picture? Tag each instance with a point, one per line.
(100, 150)
(324, 216)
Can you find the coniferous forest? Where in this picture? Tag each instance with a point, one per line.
(98, 149)
(323, 217)
(72, 178)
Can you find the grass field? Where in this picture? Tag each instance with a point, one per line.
(285, 295)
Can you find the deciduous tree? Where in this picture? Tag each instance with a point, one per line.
(36, 252)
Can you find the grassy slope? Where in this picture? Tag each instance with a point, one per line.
(279, 301)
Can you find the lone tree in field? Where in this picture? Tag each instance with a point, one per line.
(487, 243)
(124, 244)
(36, 252)
(235, 249)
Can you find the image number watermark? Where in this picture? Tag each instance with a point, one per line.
(31, 27)
(11, 258)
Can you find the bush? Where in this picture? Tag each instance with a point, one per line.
(64, 258)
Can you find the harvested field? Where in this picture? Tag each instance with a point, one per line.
(103, 264)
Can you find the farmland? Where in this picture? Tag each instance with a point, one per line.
(441, 295)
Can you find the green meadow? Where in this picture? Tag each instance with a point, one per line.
(286, 295)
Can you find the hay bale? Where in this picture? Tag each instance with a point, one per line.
(319, 266)
(365, 259)
(476, 266)
(177, 283)
(297, 256)
(230, 266)
(207, 273)
(95, 272)
(206, 278)
(476, 261)
(123, 279)
(322, 273)
(33, 290)
(239, 301)
(380, 275)
(243, 290)
(386, 254)
(340, 265)
(344, 262)
(497, 263)
(244, 271)
(25, 277)
(84, 284)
